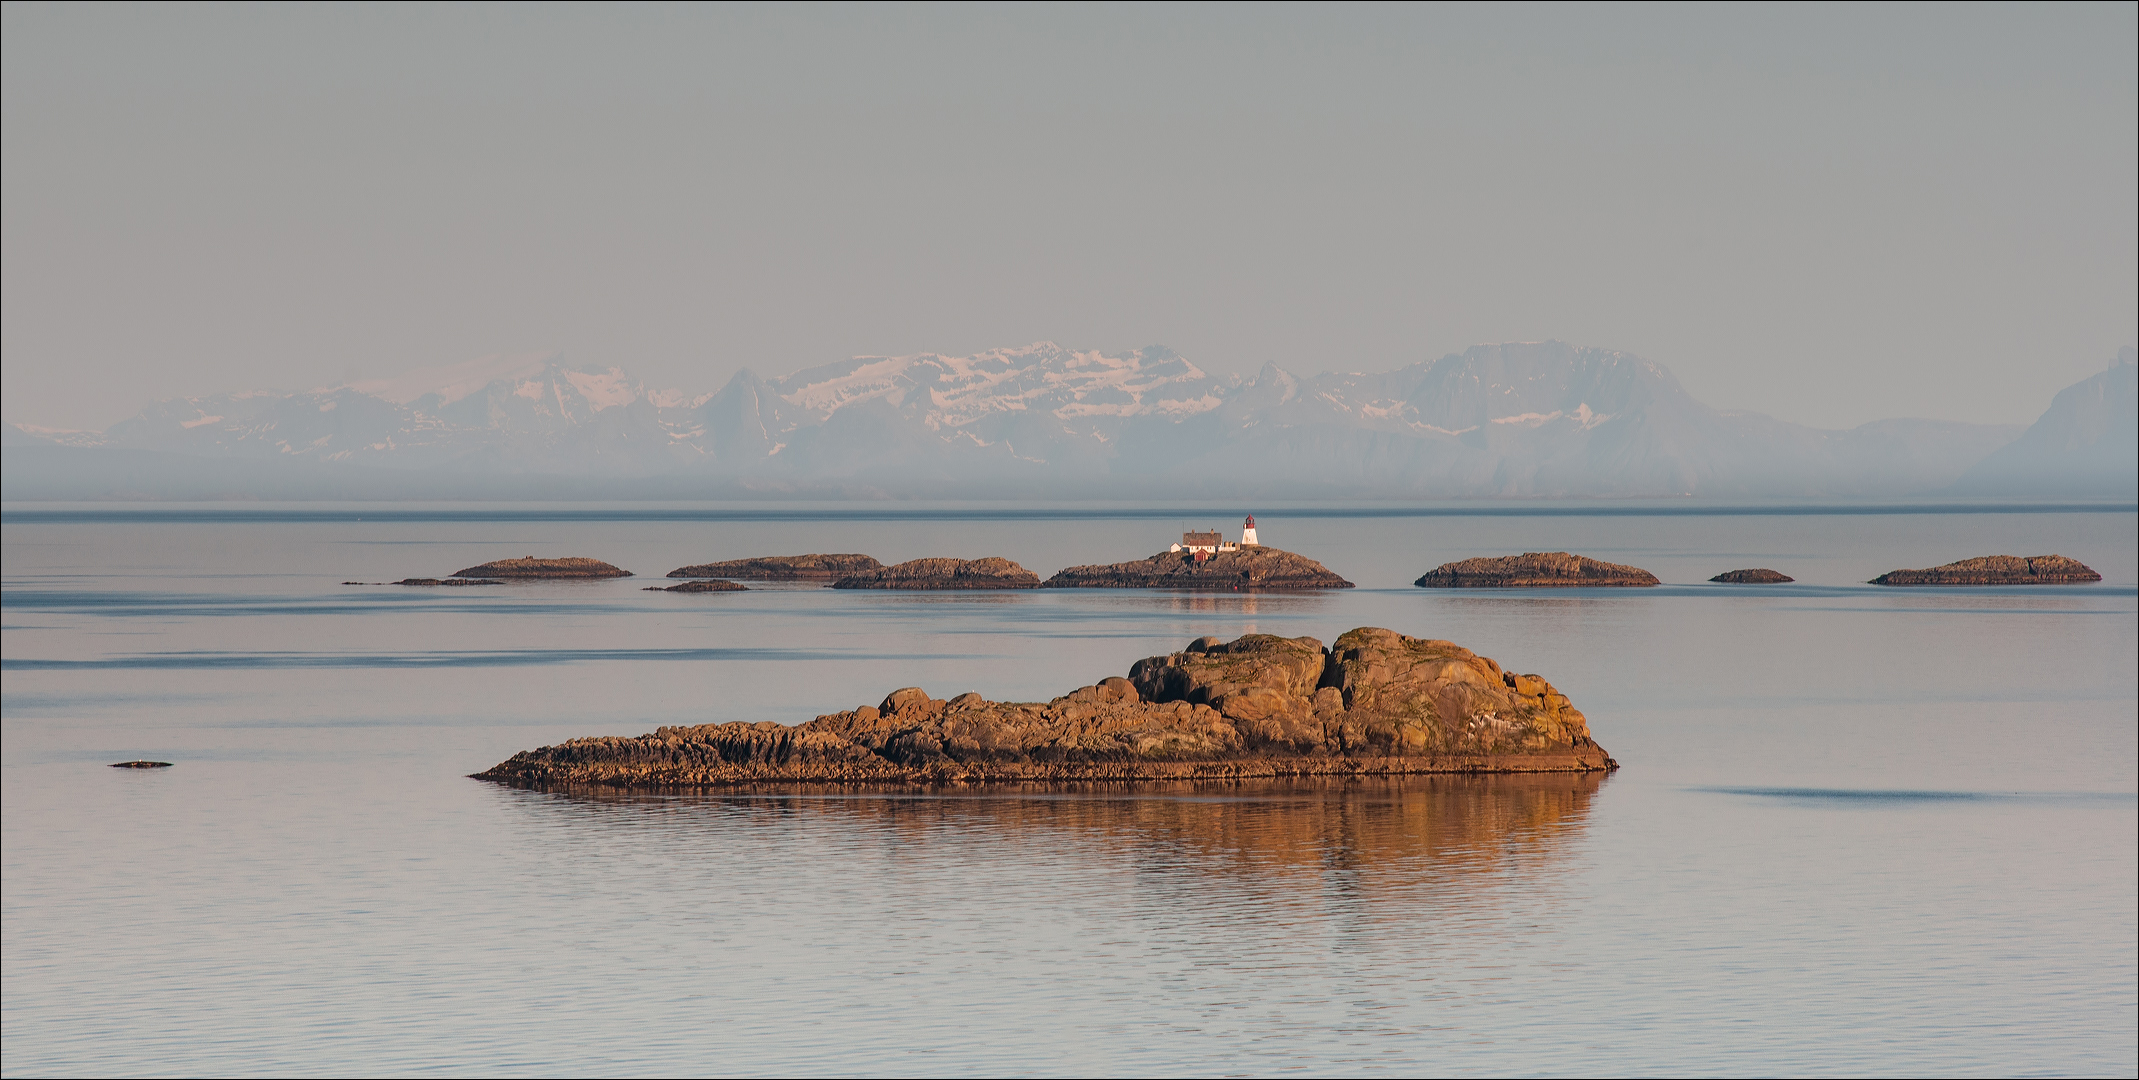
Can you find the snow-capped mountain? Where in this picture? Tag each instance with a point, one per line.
(1535, 418)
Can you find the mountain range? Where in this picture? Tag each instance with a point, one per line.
(1530, 419)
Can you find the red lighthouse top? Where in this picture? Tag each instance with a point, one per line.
(1251, 521)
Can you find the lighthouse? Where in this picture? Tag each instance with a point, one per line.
(1247, 533)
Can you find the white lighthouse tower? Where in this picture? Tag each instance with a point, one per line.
(1247, 533)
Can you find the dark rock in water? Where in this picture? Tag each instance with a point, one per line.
(989, 573)
(699, 586)
(1534, 570)
(1996, 570)
(784, 568)
(1752, 577)
(1248, 567)
(531, 568)
(140, 764)
(1376, 703)
(432, 581)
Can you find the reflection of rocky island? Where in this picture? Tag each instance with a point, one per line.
(1261, 833)
(989, 573)
(784, 568)
(1535, 570)
(1375, 703)
(1996, 570)
(1204, 560)
(533, 569)
(1752, 577)
(699, 586)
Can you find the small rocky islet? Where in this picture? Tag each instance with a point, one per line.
(1997, 570)
(1752, 577)
(1534, 570)
(1375, 703)
(988, 573)
(530, 568)
(1247, 566)
(826, 568)
(699, 587)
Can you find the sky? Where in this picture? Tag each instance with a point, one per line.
(1827, 214)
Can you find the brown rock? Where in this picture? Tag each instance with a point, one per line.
(699, 586)
(140, 764)
(1996, 570)
(1377, 703)
(1752, 577)
(783, 568)
(989, 573)
(531, 568)
(1534, 570)
(432, 582)
(1250, 567)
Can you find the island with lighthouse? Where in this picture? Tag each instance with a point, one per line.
(1206, 561)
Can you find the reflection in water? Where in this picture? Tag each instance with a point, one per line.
(1388, 834)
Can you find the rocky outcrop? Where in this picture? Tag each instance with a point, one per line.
(1375, 703)
(783, 568)
(432, 582)
(1996, 570)
(140, 764)
(989, 573)
(1534, 570)
(1752, 577)
(699, 586)
(1245, 568)
(531, 569)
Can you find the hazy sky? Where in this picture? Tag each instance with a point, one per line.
(1827, 214)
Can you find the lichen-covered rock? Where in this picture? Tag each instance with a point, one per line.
(1376, 703)
(1534, 570)
(531, 568)
(1996, 570)
(1752, 577)
(1251, 567)
(783, 568)
(989, 573)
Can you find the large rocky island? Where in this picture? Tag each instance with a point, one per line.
(989, 573)
(1996, 570)
(1376, 703)
(1247, 566)
(1534, 570)
(530, 568)
(825, 568)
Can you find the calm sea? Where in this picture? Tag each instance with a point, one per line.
(1857, 830)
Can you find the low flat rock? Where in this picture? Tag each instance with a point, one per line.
(1534, 570)
(1376, 703)
(783, 568)
(989, 573)
(1251, 567)
(140, 764)
(1996, 570)
(432, 582)
(531, 568)
(700, 586)
(1752, 577)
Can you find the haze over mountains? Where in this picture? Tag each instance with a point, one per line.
(1532, 419)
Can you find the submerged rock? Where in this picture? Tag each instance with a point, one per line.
(783, 568)
(1375, 703)
(1996, 570)
(699, 586)
(1250, 567)
(531, 568)
(989, 573)
(1752, 577)
(1534, 570)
